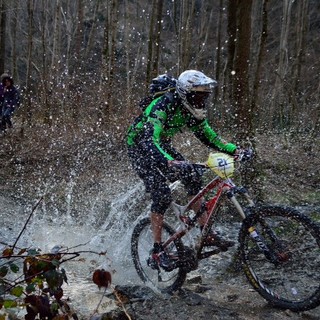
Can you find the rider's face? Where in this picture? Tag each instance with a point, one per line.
(7, 83)
(198, 99)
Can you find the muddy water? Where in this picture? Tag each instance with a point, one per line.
(96, 231)
(48, 229)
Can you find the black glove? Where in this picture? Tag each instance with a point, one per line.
(179, 169)
(182, 166)
(247, 154)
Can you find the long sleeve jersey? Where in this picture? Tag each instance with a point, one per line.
(164, 118)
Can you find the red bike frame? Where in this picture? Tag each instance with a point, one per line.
(211, 205)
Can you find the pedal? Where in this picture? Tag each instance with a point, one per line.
(152, 263)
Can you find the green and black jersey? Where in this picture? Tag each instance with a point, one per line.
(165, 117)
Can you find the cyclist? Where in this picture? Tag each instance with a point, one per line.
(156, 161)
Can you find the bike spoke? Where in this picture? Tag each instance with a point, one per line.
(157, 278)
(293, 275)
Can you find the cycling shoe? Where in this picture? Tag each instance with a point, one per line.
(161, 259)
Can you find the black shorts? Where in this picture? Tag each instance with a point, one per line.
(156, 177)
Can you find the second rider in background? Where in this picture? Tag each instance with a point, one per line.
(156, 161)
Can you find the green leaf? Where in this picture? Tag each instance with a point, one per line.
(9, 304)
(30, 288)
(54, 279)
(17, 291)
(14, 268)
(54, 307)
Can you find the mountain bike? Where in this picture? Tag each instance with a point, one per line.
(278, 247)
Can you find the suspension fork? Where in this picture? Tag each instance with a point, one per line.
(242, 191)
(254, 234)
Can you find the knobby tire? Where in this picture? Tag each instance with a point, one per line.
(294, 283)
(141, 244)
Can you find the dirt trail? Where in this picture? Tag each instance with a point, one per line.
(211, 299)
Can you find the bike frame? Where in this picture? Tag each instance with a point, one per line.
(223, 187)
(267, 248)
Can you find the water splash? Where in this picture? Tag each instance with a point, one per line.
(49, 227)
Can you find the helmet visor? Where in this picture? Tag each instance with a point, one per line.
(197, 99)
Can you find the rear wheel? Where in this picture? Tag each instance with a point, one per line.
(289, 276)
(141, 244)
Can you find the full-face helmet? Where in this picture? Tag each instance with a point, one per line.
(194, 88)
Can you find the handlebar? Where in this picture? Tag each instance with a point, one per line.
(241, 156)
(222, 165)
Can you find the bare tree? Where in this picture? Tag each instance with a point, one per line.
(300, 48)
(2, 34)
(156, 43)
(185, 34)
(60, 47)
(232, 34)
(262, 38)
(14, 27)
(241, 80)
(109, 53)
(150, 43)
(27, 114)
(56, 38)
(278, 107)
(92, 33)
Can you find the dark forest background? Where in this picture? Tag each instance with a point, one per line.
(82, 67)
(90, 62)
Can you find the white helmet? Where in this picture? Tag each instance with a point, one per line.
(194, 88)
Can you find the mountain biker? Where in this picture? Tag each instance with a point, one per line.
(10, 100)
(156, 161)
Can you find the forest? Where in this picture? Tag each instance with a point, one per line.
(82, 66)
(90, 62)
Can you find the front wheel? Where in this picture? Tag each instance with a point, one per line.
(283, 265)
(141, 244)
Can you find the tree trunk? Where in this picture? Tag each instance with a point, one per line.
(2, 35)
(27, 114)
(79, 34)
(278, 108)
(212, 112)
(300, 48)
(92, 33)
(185, 34)
(56, 40)
(14, 68)
(150, 44)
(46, 105)
(232, 34)
(109, 60)
(261, 54)
(241, 78)
(156, 43)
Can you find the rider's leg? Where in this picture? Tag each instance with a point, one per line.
(164, 259)
(161, 199)
(156, 226)
(155, 184)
